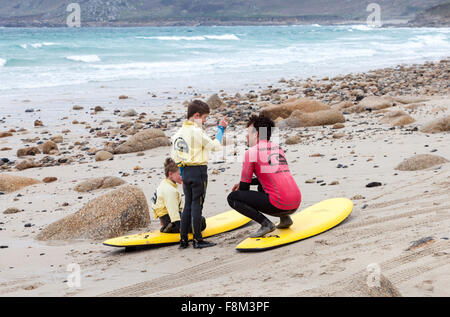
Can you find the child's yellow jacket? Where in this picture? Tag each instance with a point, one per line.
(167, 200)
(191, 145)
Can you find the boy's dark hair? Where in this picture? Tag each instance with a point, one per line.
(263, 125)
(197, 106)
(170, 166)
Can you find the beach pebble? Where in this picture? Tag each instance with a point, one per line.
(129, 113)
(373, 184)
(49, 179)
(295, 139)
(5, 134)
(76, 107)
(38, 123)
(338, 126)
(57, 139)
(11, 211)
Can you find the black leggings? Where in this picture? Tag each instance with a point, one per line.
(195, 181)
(253, 203)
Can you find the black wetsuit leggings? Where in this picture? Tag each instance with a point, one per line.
(195, 181)
(253, 203)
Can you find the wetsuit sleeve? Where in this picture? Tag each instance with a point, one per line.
(247, 169)
(219, 135)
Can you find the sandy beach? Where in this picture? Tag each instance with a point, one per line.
(327, 161)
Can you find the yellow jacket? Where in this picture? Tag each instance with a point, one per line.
(191, 145)
(167, 200)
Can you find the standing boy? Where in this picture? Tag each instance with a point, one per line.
(191, 147)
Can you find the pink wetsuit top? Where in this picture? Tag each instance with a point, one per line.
(268, 162)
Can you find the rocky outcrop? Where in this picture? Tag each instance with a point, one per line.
(10, 183)
(142, 141)
(397, 118)
(284, 110)
(215, 102)
(438, 125)
(99, 183)
(421, 162)
(103, 156)
(108, 216)
(301, 119)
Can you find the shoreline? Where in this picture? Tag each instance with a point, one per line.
(392, 23)
(407, 207)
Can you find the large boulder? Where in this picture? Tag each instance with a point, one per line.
(11, 183)
(406, 100)
(215, 102)
(301, 119)
(99, 183)
(28, 151)
(142, 141)
(438, 125)
(397, 118)
(421, 162)
(375, 103)
(27, 163)
(48, 147)
(103, 156)
(284, 110)
(108, 216)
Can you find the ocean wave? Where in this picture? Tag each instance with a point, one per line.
(224, 37)
(84, 58)
(432, 40)
(38, 45)
(2, 62)
(362, 27)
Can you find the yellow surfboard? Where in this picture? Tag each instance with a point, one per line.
(220, 223)
(307, 223)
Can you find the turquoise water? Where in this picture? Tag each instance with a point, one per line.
(48, 57)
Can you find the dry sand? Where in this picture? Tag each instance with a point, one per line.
(385, 221)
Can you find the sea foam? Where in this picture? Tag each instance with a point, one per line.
(224, 37)
(84, 58)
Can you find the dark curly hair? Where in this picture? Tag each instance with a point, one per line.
(263, 122)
